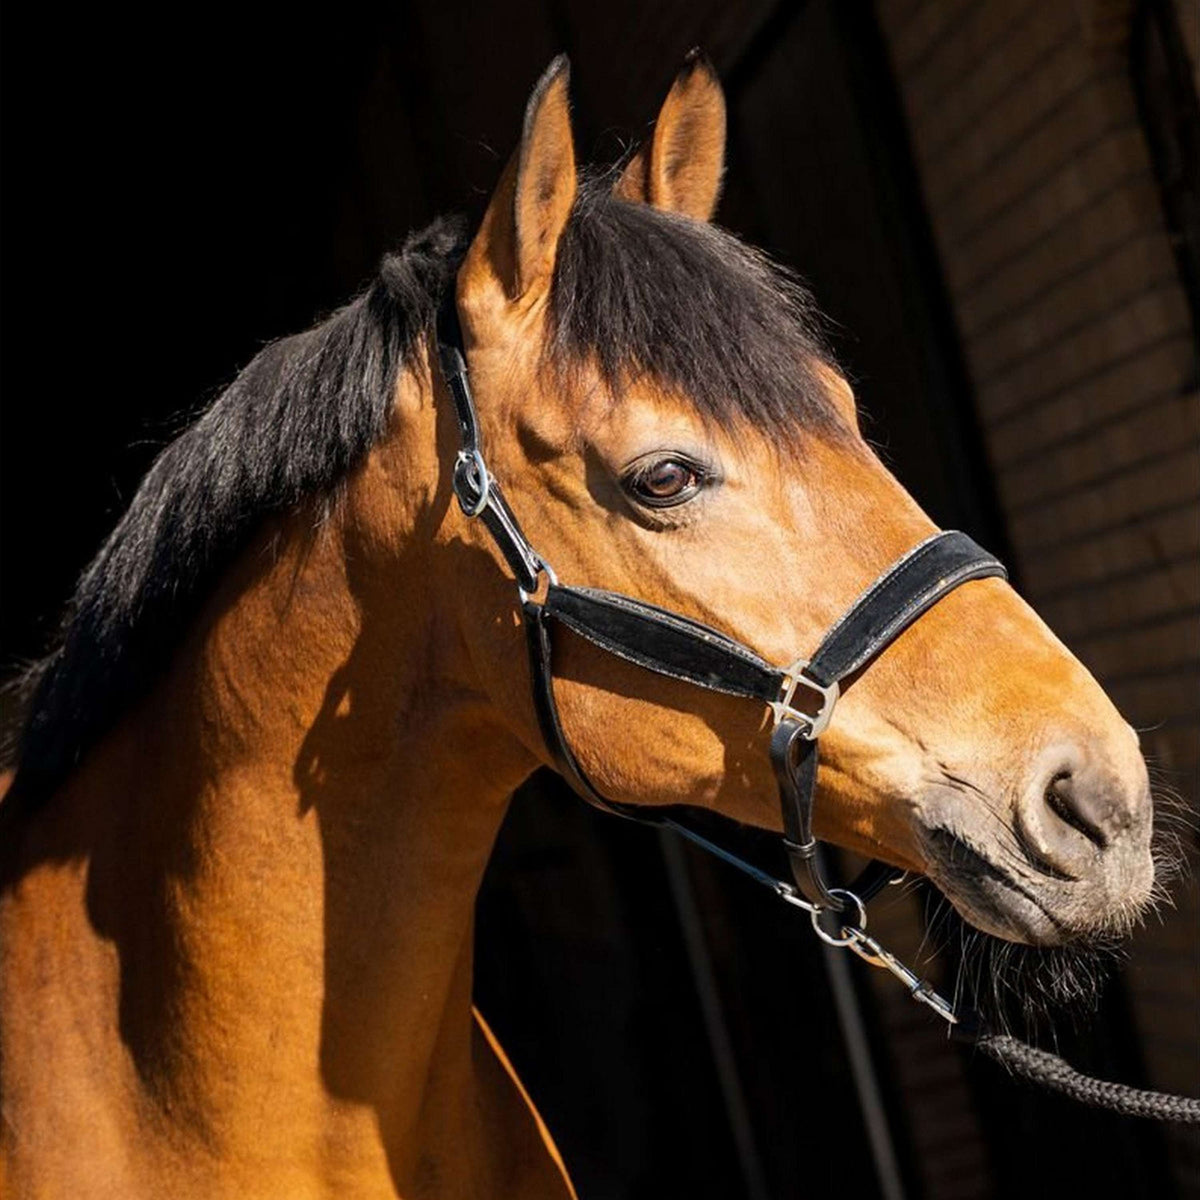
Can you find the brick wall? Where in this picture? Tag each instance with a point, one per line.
(1082, 352)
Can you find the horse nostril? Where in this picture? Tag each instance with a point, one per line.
(1065, 800)
(1071, 814)
(1084, 813)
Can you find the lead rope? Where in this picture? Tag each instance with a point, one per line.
(1058, 1075)
(1039, 1066)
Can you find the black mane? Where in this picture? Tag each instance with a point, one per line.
(635, 293)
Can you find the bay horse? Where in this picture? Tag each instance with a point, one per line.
(258, 782)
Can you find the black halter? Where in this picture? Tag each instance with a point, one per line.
(801, 696)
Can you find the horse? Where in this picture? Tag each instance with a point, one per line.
(258, 780)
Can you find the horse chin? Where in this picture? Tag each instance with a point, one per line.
(1024, 957)
(1021, 903)
(1017, 963)
(1001, 911)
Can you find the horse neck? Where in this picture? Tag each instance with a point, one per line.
(283, 844)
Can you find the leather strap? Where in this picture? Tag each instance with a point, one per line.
(676, 646)
(454, 370)
(664, 642)
(680, 648)
(805, 856)
(794, 758)
(523, 560)
(478, 494)
(541, 671)
(908, 589)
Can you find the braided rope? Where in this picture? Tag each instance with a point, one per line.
(1055, 1073)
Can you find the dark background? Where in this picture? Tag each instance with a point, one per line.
(176, 196)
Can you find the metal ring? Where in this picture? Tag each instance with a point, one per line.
(846, 938)
(544, 568)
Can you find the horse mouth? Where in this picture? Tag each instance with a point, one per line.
(987, 895)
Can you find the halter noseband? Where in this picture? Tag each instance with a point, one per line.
(801, 696)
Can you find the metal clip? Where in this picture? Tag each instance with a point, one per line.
(813, 724)
(789, 895)
(870, 951)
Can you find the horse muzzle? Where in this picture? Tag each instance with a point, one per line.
(1068, 856)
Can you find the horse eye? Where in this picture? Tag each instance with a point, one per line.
(664, 482)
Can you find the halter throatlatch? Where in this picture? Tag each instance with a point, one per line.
(801, 697)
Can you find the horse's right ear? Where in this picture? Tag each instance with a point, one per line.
(512, 256)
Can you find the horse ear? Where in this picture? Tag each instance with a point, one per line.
(518, 239)
(679, 169)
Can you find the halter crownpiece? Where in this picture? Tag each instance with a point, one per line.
(801, 697)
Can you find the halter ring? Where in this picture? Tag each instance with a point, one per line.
(849, 933)
(794, 678)
(544, 568)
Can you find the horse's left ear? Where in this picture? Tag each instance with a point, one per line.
(679, 169)
(518, 239)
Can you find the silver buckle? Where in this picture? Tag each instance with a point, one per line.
(794, 678)
(470, 472)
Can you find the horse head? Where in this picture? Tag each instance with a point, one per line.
(666, 421)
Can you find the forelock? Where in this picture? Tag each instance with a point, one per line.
(640, 293)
